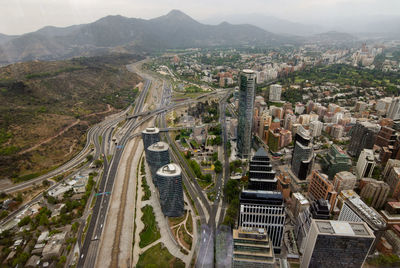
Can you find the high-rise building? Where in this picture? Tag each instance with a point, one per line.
(355, 210)
(391, 163)
(337, 244)
(169, 181)
(252, 247)
(303, 154)
(393, 180)
(320, 187)
(363, 136)
(365, 164)
(157, 156)
(246, 108)
(275, 92)
(300, 203)
(263, 209)
(394, 109)
(261, 174)
(149, 136)
(386, 137)
(375, 193)
(344, 181)
(319, 209)
(336, 160)
(316, 128)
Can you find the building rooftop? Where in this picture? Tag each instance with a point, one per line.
(151, 130)
(343, 228)
(171, 169)
(158, 147)
(301, 198)
(248, 71)
(261, 152)
(260, 196)
(368, 213)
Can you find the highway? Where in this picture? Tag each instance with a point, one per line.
(106, 185)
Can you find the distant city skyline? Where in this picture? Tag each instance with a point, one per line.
(18, 17)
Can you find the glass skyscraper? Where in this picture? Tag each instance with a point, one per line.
(247, 81)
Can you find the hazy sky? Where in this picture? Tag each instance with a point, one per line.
(21, 16)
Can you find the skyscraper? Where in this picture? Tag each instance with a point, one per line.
(321, 188)
(362, 137)
(246, 107)
(261, 175)
(303, 154)
(149, 136)
(337, 244)
(157, 156)
(263, 209)
(169, 181)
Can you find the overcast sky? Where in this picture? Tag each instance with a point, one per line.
(21, 16)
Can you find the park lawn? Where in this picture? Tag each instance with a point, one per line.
(150, 232)
(158, 256)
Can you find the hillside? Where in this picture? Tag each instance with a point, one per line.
(174, 30)
(54, 103)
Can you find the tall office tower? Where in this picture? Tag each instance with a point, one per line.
(375, 193)
(246, 108)
(149, 136)
(319, 209)
(344, 181)
(252, 248)
(393, 180)
(394, 109)
(337, 244)
(355, 210)
(157, 156)
(275, 92)
(336, 160)
(365, 164)
(303, 154)
(263, 209)
(363, 136)
(261, 175)
(320, 187)
(169, 181)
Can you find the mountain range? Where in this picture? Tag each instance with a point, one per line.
(127, 35)
(118, 33)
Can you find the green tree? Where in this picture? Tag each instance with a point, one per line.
(24, 221)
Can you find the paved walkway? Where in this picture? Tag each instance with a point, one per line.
(166, 235)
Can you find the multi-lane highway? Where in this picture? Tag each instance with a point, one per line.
(106, 185)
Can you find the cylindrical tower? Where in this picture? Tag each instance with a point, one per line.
(169, 180)
(157, 156)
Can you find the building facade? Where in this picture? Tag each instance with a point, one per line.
(252, 247)
(344, 181)
(275, 92)
(157, 156)
(263, 209)
(169, 181)
(365, 164)
(336, 160)
(303, 155)
(261, 174)
(363, 136)
(337, 244)
(247, 81)
(320, 187)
